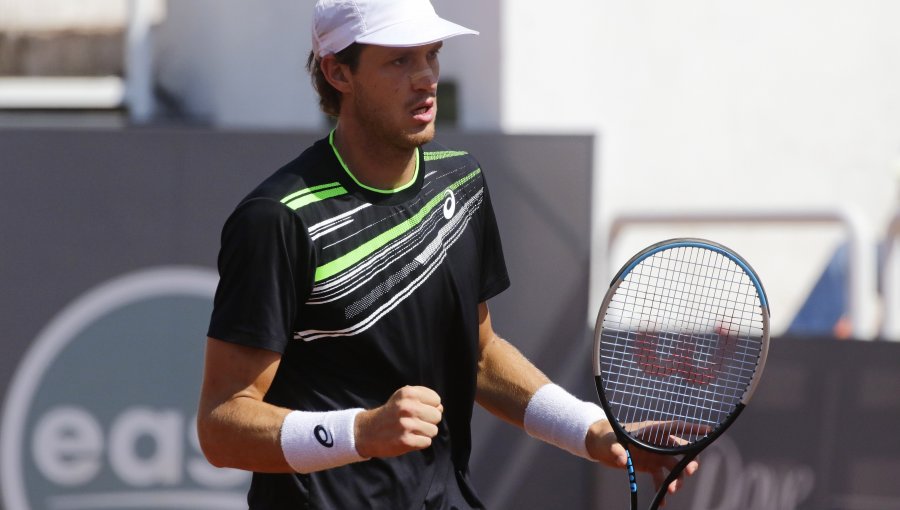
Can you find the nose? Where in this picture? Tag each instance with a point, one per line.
(424, 78)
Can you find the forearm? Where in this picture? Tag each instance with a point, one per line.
(237, 428)
(243, 433)
(512, 388)
(506, 380)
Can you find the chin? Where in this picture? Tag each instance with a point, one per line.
(422, 136)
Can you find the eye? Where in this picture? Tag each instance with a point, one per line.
(399, 62)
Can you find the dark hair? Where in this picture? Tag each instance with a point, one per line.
(329, 97)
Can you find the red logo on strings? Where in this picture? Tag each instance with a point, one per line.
(695, 358)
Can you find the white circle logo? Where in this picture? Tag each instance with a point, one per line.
(100, 414)
(449, 204)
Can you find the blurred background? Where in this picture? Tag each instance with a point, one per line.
(130, 128)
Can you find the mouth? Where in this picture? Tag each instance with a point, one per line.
(424, 111)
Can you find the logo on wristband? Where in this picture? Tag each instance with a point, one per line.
(323, 436)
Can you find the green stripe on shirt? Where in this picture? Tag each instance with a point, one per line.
(436, 155)
(369, 247)
(313, 194)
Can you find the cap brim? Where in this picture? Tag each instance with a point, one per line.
(415, 33)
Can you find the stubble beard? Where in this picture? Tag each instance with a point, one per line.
(378, 125)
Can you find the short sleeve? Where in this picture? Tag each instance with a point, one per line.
(494, 276)
(266, 267)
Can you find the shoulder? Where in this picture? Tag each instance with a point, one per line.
(453, 164)
(311, 170)
(255, 222)
(436, 152)
(273, 202)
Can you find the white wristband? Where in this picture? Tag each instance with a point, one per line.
(555, 416)
(313, 441)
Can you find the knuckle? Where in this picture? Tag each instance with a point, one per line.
(406, 424)
(405, 407)
(412, 441)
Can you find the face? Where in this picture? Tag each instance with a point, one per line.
(394, 94)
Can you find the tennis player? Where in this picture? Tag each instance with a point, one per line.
(351, 334)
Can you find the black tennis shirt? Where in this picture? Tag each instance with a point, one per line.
(363, 292)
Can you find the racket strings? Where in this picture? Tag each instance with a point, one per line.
(680, 342)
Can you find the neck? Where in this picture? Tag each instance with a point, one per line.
(373, 162)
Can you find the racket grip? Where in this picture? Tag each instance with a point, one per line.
(632, 481)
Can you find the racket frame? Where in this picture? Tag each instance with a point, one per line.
(691, 450)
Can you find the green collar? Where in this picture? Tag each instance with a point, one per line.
(370, 188)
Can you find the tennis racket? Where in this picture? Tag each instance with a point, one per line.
(681, 339)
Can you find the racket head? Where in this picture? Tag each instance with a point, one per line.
(682, 336)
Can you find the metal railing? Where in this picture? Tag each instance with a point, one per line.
(135, 91)
(139, 94)
(861, 280)
(890, 282)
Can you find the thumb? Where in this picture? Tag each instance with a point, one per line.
(620, 456)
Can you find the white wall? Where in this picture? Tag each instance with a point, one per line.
(239, 64)
(31, 15)
(474, 62)
(698, 105)
(242, 64)
(705, 105)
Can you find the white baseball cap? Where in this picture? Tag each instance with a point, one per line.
(395, 23)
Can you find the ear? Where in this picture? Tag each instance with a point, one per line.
(337, 74)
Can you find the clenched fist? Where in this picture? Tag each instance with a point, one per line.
(405, 423)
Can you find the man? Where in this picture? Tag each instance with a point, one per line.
(351, 333)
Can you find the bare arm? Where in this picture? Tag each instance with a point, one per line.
(237, 429)
(506, 379)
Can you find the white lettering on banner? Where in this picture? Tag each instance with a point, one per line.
(90, 453)
(68, 446)
(163, 467)
(68, 449)
(754, 486)
(204, 473)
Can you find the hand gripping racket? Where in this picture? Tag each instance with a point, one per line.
(681, 339)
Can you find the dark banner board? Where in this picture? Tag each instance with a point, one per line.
(107, 268)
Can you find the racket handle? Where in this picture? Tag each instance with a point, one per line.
(632, 480)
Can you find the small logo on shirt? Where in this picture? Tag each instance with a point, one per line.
(323, 436)
(449, 204)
